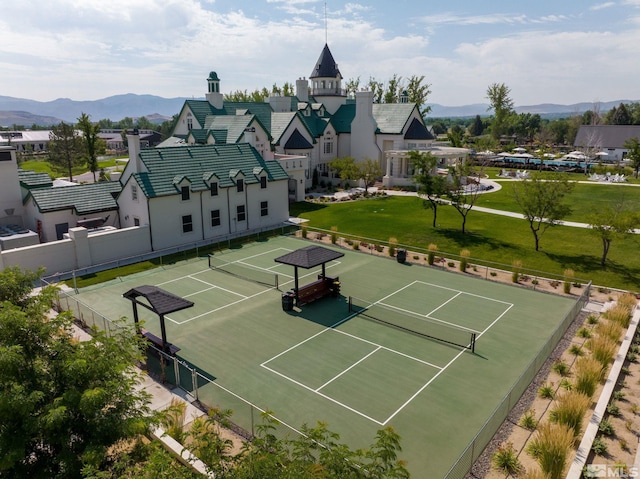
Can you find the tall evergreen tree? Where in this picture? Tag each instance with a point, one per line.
(93, 144)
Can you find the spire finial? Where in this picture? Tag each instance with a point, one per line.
(326, 35)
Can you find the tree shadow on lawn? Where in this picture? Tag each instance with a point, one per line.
(470, 239)
(590, 264)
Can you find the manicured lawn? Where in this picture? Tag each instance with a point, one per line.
(489, 237)
(582, 199)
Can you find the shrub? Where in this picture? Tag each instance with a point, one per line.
(356, 245)
(516, 271)
(613, 409)
(546, 391)
(576, 350)
(599, 446)
(334, 234)
(628, 300)
(551, 447)
(433, 248)
(619, 314)
(624, 445)
(602, 348)
(379, 248)
(588, 374)
(561, 367)
(528, 420)
(465, 254)
(610, 329)
(583, 333)
(606, 428)
(493, 273)
(303, 231)
(570, 409)
(505, 459)
(566, 384)
(592, 319)
(393, 245)
(568, 280)
(632, 357)
(619, 395)
(450, 264)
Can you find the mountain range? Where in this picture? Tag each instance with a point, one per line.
(20, 111)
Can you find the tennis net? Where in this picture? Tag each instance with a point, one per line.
(260, 276)
(414, 323)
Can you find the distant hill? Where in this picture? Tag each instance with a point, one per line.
(543, 109)
(25, 112)
(155, 108)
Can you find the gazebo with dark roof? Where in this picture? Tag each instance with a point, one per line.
(310, 257)
(161, 302)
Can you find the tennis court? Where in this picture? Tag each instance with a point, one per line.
(429, 352)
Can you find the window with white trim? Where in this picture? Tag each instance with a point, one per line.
(241, 214)
(215, 218)
(263, 182)
(214, 188)
(134, 192)
(187, 224)
(184, 191)
(240, 185)
(264, 208)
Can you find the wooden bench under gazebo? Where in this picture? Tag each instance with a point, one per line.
(161, 302)
(310, 257)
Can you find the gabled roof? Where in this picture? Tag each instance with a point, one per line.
(31, 179)
(85, 199)
(262, 111)
(198, 162)
(234, 125)
(341, 119)
(392, 117)
(325, 66)
(417, 131)
(279, 124)
(605, 136)
(201, 109)
(297, 142)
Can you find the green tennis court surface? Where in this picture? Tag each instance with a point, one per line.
(396, 358)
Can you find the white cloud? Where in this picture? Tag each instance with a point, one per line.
(602, 6)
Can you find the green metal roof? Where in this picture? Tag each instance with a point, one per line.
(279, 123)
(201, 109)
(85, 199)
(262, 111)
(342, 118)
(234, 125)
(392, 117)
(199, 162)
(32, 179)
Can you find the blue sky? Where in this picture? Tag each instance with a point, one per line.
(561, 51)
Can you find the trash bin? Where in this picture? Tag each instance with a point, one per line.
(401, 255)
(287, 301)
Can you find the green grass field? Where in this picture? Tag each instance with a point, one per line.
(323, 362)
(488, 237)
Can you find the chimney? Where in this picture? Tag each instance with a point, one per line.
(133, 141)
(364, 104)
(280, 103)
(302, 89)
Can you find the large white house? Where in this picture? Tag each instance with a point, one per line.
(201, 192)
(319, 123)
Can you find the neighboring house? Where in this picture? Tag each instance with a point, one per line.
(34, 141)
(197, 193)
(115, 141)
(596, 140)
(52, 211)
(319, 123)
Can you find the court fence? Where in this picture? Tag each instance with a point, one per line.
(479, 268)
(178, 372)
(171, 256)
(473, 450)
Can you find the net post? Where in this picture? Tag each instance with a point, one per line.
(277, 280)
(473, 342)
(350, 304)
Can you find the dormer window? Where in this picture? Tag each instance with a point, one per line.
(185, 193)
(240, 185)
(263, 182)
(214, 188)
(307, 112)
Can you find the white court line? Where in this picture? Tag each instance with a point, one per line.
(426, 316)
(324, 396)
(349, 368)
(465, 292)
(214, 286)
(245, 298)
(445, 303)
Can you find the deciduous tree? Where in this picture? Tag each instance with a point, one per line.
(502, 106)
(93, 144)
(65, 147)
(634, 154)
(464, 189)
(542, 202)
(611, 223)
(430, 184)
(63, 403)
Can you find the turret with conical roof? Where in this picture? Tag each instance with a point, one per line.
(326, 81)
